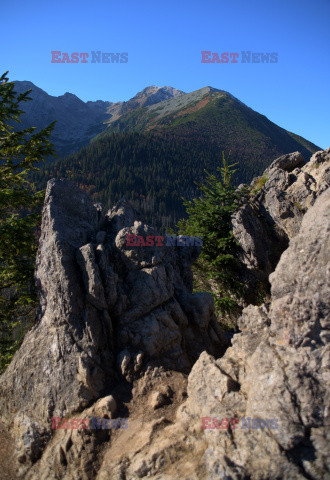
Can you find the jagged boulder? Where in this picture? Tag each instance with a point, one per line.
(67, 358)
(264, 227)
(288, 162)
(106, 311)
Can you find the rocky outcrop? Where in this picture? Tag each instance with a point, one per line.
(277, 368)
(269, 393)
(107, 311)
(264, 227)
(120, 334)
(262, 410)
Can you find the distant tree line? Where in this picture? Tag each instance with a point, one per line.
(153, 171)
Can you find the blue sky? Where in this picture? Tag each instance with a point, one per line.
(164, 41)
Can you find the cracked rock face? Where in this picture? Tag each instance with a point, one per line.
(277, 368)
(265, 226)
(106, 311)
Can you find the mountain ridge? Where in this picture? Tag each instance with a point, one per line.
(153, 147)
(79, 123)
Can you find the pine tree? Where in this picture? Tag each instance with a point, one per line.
(209, 216)
(20, 152)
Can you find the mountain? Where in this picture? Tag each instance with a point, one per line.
(153, 147)
(207, 115)
(216, 116)
(77, 122)
(153, 153)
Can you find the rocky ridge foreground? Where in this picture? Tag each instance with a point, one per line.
(107, 312)
(119, 329)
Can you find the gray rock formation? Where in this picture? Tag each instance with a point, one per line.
(106, 312)
(119, 330)
(264, 227)
(277, 368)
(269, 392)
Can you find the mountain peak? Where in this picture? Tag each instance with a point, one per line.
(167, 91)
(208, 89)
(147, 91)
(70, 97)
(150, 95)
